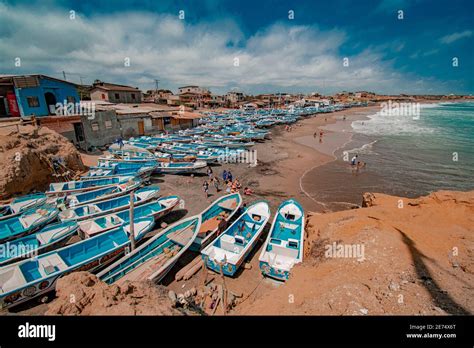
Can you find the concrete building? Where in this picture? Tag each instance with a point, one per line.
(234, 97)
(115, 93)
(174, 120)
(38, 95)
(193, 89)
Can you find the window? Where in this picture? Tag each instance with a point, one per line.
(103, 96)
(166, 120)
(33, 102)
(117, 96)
(95, 126)
(71, 99)
(133, 95)
(108, 124)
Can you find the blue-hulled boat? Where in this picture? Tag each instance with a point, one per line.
(62, 188)
(20, 204)
(283, 247)
(92, 210)
(155, 209)
(33, 277)
(102, 194)
(115, 169)
(157, 256)
(28, 222)
(49, 237)
(229, 250)
(180, 167)
(222, 208)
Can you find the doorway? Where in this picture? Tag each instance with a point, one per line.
(50, 102)
(141, 128)
(79, 132)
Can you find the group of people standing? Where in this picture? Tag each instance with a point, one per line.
(321, 133)
(231, 185)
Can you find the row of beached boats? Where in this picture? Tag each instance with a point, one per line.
(223, 249)
(29, 268)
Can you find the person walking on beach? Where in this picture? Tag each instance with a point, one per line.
(205, 187)
(315, 134)
(120, 142)
(353, 160)
(229, 176)
(216, 183)
(321, 136)
(209, 172)
(224, 175)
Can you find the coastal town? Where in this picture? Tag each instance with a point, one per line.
(94, 116)
(200, 175)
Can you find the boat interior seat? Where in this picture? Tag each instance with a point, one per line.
(28, 220)
(289, 226)
(51, 264)
(45, 237)
(11, 279)
(234, 244)
(284, 251)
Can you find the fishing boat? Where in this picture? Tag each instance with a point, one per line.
(27, 279)
(27, 222)
(215, 217)
(68, 187)
(116, 169)
(102, 194)
(283, 247)
(49, 237)
(92, 210)
(180, 167)
(155, 209)
(157, 256)
(229, 250)
(20, 204)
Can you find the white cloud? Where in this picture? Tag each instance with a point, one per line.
(278, 58)
(455, 36)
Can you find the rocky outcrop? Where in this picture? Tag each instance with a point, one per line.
(398, 256)
(27, 158)
(82, 293)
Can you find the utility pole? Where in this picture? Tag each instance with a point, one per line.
(64, 75)
(132, 225)
(156, 84)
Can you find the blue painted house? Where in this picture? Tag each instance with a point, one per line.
(34, 94)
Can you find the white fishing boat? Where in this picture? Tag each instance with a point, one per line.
(30, 278)
(20, 204)
(283, 247)
(92, 210)
(230, 249)
(155, 209)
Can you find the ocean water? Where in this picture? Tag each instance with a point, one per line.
(405, 155)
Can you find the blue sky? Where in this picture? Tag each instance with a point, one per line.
(252, 46)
